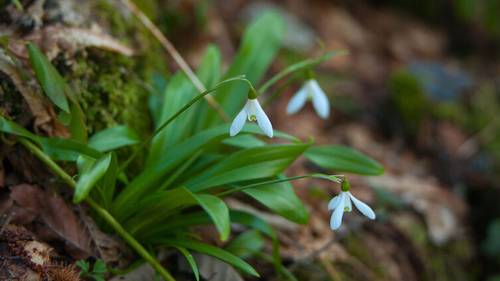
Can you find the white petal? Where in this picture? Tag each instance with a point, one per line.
(262, 119)
(238, 123)
(334, 202)
(319, 99)
(298, 100)
(336, 219)
(362, 207)
(250, 109)
(347, 204)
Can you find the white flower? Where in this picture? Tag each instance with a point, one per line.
(253, 112)
(342, 203)
(310, 90)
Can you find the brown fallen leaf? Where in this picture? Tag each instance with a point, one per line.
(57, 216)
(34, 101)
(109, 248)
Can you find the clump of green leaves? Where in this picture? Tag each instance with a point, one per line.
(192, 163)
(95, 273)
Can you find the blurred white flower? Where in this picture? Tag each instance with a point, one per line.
(253, 112)
(310, 90)
(342, 203)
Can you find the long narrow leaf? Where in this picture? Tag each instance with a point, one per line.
(56, 148)
(248, 164)
(260, 43)
(212, 251)
(281, 199)
(218, 211)
(191, 261)
(113, 138)
(90, 177)
(156, 208)
(152, 176)
(343, 159)
(52, 83)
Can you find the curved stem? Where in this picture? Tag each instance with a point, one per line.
(301, 65)
(179, 112)
(99, 210)
(334, 178)
(169, 47)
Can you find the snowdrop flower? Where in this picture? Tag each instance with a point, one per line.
(343, 203)
(253, 112)
(310, 90)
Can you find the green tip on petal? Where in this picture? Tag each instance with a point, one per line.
(345, 185)
(252, 94)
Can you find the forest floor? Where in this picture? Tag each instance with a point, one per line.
(436, 202)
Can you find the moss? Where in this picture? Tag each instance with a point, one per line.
(110, 91)
(150, 55)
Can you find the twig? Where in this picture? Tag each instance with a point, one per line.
(169, 47)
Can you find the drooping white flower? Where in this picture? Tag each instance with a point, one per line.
(253, 112)
(310, 90)
(343, 203)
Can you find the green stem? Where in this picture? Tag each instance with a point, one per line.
(101, 211)
(305, 64)
(179, 112)
(334, 178)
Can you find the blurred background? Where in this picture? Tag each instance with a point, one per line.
(419, 92)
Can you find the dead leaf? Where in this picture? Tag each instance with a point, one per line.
(142, 273)
(442, 210)
(57, 216)
(213, 269)
(109, 248)
(35, 101)
(38, 252)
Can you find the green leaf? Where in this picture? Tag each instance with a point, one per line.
(52, 83)
(113, 138)
(153, 175)
(156, 208)
(99, 267)
(218, 211)
(209, 73)
(212, 251)
(108, 182)
(300, 66)
(343, 159)
(56, 148)
(281, 199)
(77, 126)
(84, 163)
(87, 180)
(246, 244)
(210, 66)
(244, 141)
(260, 43)
(248, 164)
(178, 93)
(83, 265)
(253, 221)
(191, 262)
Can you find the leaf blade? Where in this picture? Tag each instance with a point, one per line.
(52, 83)
(90, 177)
(343, 159)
